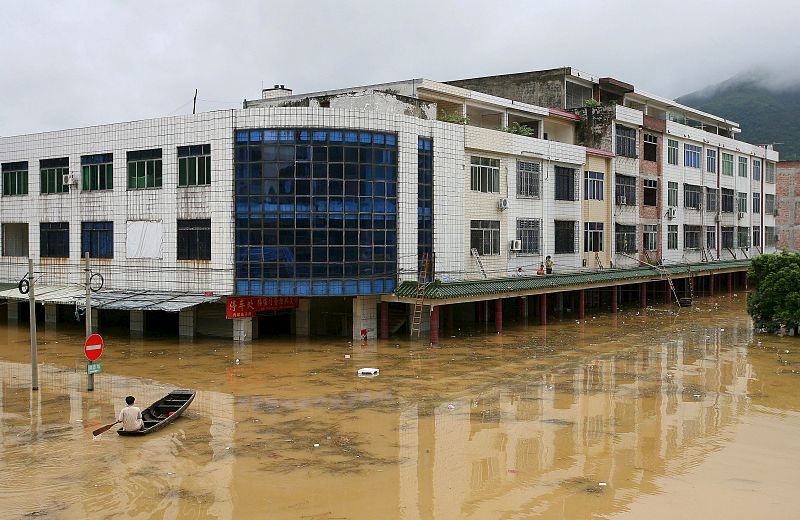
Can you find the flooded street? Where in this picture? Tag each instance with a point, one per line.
(650, 414)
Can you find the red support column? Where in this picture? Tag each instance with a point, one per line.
(643, 294)
(614, 295)
(730, 282)
(543, 309)
(581, 304)
(498, 315)
(384, 320)
(435, 324)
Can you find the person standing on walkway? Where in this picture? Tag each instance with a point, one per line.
(548, 263)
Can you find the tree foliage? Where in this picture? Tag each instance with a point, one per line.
(775, 302)
(516, 128)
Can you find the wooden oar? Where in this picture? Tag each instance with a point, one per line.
(104, 428)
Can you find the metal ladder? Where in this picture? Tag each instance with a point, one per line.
(422, 284)
(597, 260)
(661, 270)
(691, 285)
(474, 252)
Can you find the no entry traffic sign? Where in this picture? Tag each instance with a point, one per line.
(93, 348)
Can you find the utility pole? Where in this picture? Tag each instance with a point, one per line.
(34, 348)
(89, 377)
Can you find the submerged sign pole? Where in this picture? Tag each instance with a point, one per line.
(89, 376)
(34, 346)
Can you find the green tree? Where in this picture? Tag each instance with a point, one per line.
(775, 302)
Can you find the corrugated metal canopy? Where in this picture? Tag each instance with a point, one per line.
(108, 299)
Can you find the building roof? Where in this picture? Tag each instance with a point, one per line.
(108, 299)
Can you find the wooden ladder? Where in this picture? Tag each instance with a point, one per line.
(474, 252)
(597, 260)
(422, 284)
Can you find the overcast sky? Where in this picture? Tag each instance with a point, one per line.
(66, 64)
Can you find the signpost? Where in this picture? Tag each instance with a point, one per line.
(93, 348)
(250, 306)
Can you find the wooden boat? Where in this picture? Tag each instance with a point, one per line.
(163, 411)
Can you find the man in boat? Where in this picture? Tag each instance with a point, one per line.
(131, 416)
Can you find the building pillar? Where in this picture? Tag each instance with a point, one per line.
(581, 304)
(186, 322)
(730, 282)
(95, 319)
(384, 320)
(435, 324)
(13, 311)
(478, 312)
(137, 322)
(746, 281)
(498, 315)
(243, 329)
(543, 309)
(523, 309)
(643, 294)
(614, 296)
(667, 293)
(486, 311)
(560, 302)
(50, 313)
(365, 317)
(711, 285)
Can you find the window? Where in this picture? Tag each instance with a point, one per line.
(672, 236)
(15, 239)
(424, 198)
(624, 239)
(741, 202)
(529, 232)
(529, 179)
(757, 236)
(769, 178)
(727, 237)
(564, 234)
(576, 95)
(592, 237)
(15, 178)
(691, 196)
(485, 175)
(625, 190)
(485, 236)
(650, 148)
(626, 141)
(727, 164)
(672, 151)
(769, 204)
(672, 194)
(194, 239)
(712, 195)
(54, 239)
(565, 183)
(711, 237)
(742, 237)
(51, 175)
(194, 165)
(97, 239)
(650, 196)
(691, 237)
(144, 169)
(593, 186)
(650, 237)
(691, 156)
(727, 201)
(711, 161)
(769, 236)
(756, 169)
(742, 166)
(756, 202)
(97, 172)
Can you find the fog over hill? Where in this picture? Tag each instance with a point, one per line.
(765, 103)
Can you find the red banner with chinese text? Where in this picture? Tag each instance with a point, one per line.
(248, 306)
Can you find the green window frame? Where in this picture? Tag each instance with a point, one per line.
(15, 178)
(743, 166)
(194, 165)
(144, 169)
(727, 164)
(97, 172)
(51, 175)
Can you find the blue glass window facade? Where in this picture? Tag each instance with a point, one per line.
(425, 200)
(316, 212)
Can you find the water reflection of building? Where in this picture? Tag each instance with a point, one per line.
(624, 420)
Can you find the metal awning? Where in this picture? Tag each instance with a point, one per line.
(110, 299)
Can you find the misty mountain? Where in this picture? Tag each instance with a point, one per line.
(767, 111)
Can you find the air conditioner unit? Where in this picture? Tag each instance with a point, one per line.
(671, 212)
(502, 204)
(621, 199)
(69, 180)
(516, 245)
(741, 215)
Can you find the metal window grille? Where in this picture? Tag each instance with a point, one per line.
(529, 233)
(529, 179)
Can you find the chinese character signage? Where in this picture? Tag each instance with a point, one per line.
(248, 306)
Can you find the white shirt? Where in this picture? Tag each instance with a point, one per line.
(131, 418)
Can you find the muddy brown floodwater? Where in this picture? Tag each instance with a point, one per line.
(650, 414)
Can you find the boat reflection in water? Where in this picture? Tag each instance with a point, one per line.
(626, 416)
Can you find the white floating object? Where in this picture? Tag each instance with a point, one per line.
(602, 484)
(368, 372)
(316, 445)
(347, 356)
